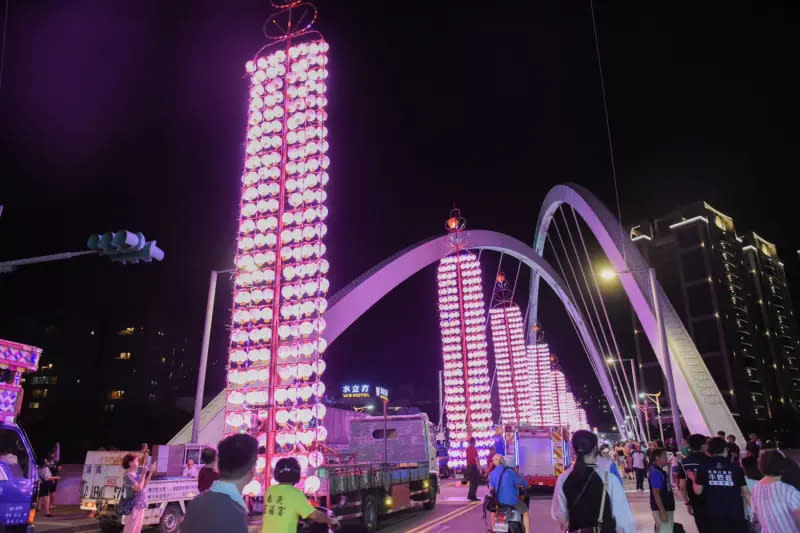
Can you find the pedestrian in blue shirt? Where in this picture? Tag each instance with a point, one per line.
(725, 489)
(505, 482)
(662, 499)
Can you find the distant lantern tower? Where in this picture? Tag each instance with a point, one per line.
(462, 318)
(275, 366)
(511, 361)
(544, 396)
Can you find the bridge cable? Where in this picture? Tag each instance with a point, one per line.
(628, 384)
(516, 279)
(627, 400)
(597, 370)
(608, 126)
(583, 301)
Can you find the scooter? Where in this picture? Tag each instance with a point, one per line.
(307, 526)
(507, 520)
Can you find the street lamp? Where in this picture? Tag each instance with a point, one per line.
(201, 371)
(656, 399)
(663, 346)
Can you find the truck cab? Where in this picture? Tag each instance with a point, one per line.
(19, 477)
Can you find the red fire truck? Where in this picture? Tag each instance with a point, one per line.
(541, 452)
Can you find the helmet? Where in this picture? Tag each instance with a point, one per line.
(287, 470)
(498, 460)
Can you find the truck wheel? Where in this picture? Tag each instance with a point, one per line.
(369, 514)
(171, 519)
(432, 490)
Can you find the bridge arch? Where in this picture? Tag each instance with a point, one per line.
(347, 305)
(699, 399)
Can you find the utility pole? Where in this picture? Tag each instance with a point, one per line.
(201, 371)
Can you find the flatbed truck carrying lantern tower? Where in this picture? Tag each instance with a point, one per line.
(19, 477)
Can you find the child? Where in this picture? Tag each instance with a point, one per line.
(662, 500)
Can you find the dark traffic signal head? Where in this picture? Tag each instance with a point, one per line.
(125, 247)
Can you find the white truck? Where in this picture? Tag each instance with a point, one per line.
(390, 465)
(168, 493)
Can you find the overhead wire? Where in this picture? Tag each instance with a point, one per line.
(608, 125)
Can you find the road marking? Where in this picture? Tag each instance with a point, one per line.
(424, 528)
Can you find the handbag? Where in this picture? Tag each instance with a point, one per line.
(126, 498)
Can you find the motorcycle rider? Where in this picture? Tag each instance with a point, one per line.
(506, 488)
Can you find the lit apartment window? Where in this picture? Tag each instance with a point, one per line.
(116, 394)
(127, 331)
(163, 359)
(33, 405)
(125, 355)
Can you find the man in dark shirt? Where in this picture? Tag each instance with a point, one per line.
(753, 446)
(691, 463)
(222, 507)
(733, 449)
(725, 489)
(472, 473)
(208, 473)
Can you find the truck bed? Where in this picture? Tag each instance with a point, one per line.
(343, 479)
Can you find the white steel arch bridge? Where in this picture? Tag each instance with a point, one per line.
(699, 400)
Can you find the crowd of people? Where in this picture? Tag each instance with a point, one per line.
(723, 487)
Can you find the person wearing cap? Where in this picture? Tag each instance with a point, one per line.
(222, 507)
(505, 482)
(284, 503)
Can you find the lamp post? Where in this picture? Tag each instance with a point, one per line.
(639, 417)
(201, 371)
(666, 357)
(656, 399)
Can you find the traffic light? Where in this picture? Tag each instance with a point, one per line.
(125, 247)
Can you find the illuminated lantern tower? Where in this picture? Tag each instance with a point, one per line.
(462, 318)
(511, 361)
(274, 368)
(544, 398)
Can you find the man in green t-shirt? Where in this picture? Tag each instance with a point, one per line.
(285, 504)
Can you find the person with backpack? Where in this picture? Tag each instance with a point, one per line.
(662, 499)
(505, 484)
(587, 497)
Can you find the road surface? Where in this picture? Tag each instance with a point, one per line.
(454, 513)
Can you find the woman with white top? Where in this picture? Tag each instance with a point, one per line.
(776, 504)
(752, 475)
(588, 495)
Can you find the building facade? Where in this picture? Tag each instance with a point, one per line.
(731, 292)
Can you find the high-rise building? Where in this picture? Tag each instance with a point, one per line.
(731, 292)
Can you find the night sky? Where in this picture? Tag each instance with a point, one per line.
(132, 115)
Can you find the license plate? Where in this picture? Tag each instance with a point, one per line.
(501, 527)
